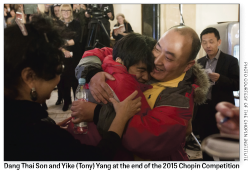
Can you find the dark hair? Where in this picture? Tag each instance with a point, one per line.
(210, 30)
(196, 44)
(134, 48)
(31, 51)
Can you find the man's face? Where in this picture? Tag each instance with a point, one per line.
(57, 11)
(140, 71)
(210, 44)
(171, 56)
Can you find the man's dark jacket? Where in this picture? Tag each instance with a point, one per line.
(228, 68)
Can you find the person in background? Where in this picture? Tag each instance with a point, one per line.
(56, 11)
(121, 21)
(226, 109)
(48, 9)
(72, 56)
(83, 6)
(6, 16)
(29, 78)
(109, 15)
(224, 79)
(11, 20)
(8, 8)
(79, 15)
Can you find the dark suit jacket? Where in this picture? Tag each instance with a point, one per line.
(228, 68)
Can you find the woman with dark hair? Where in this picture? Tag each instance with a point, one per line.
(121, 21)
(30, 74)
(72, 53)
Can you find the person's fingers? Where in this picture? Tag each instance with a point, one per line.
(132, 96)
(225, 108)
(219, 117)
(64, 127)
(236, 111)
(113, 101)
(230, 124)
(101, 95)
(94, 96)
(74, 103)
(76, 120)
(137, 100)
(65, 121)
(138, 105)
(74, 114)
(109, 76)
(107, 90)
(227, 130)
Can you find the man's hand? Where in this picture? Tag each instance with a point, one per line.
(214, 76)
(87, 15)
(99, 88)
(231, 126)
(82, 111)
(120, 31)
(128, 107)
(67, 54)
(124, 111)
(110, 15)
(70, 42)
(64, 124)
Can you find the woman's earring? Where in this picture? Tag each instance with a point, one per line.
(33, 94)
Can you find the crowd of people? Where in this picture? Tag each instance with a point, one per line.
(142, 93)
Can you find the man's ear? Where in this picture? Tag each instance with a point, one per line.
(219, 42)
(28, 77)
(189, 65)
(119, 60)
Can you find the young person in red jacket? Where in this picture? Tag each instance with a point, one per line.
(178, 83)
(132, 63)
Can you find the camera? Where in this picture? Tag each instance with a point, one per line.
(96, 12)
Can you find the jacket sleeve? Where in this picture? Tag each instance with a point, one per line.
(158, 134)
(92, 58)
(231, 81)
(106, 116)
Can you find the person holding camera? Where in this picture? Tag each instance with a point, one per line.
(108, 11)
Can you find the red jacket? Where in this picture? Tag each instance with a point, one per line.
(159, 135)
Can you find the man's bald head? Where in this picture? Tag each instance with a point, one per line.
(189, 32)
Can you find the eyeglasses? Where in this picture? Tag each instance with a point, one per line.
(57, 5)
(66, 11)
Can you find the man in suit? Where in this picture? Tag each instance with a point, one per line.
(223, 72)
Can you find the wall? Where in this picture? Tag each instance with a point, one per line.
(170, 16)
(132, 13)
